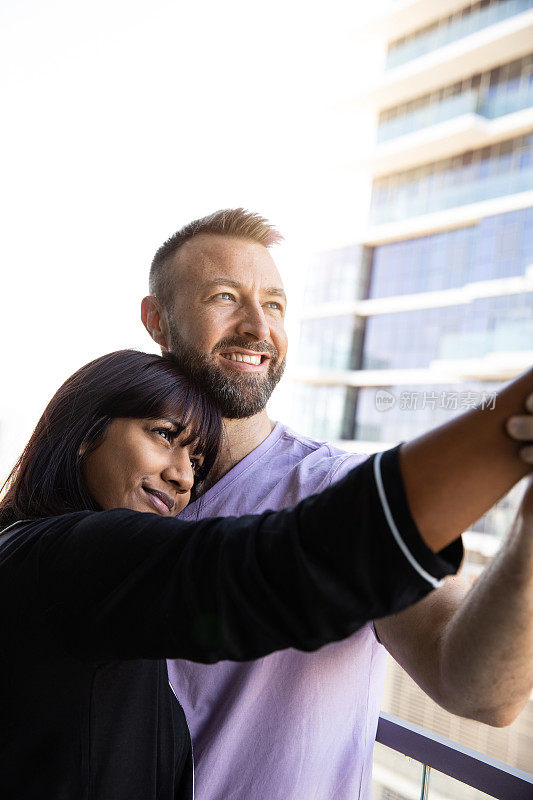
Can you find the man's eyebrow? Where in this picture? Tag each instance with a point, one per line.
(272, 291)
(275, 291)
(222, 282)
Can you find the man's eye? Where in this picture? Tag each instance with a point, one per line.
(225, 295)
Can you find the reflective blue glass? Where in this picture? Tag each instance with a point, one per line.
(337, 276)
(331, 342)
(414, 339)
(496, 247)
(497, 101)
(319, 410)
(506, 168)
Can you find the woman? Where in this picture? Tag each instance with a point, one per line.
(95, 595)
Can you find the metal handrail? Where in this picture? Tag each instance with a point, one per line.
(478, 770)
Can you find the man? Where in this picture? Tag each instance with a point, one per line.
(296, 726)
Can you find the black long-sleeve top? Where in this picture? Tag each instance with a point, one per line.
(93, 602)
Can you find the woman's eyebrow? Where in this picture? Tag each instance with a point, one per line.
(174, 422)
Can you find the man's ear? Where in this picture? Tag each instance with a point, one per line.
(154, 321)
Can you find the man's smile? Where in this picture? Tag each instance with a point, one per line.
(245, 360)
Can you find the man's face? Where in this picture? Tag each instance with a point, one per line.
(226, 321)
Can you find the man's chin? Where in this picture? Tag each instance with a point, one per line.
(238, 393)
(242, 395)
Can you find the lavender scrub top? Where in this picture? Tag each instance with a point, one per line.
(293, 725)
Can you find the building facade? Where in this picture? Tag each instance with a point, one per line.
(432, 310)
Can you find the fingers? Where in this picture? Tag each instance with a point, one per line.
(520, 428)
(526, 454)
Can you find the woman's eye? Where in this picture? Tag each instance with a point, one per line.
(165, 433)
(197, 468)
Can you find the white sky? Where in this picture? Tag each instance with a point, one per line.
(122, 120)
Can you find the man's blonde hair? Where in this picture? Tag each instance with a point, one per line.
(234, 222)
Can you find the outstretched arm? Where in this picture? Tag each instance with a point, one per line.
(456, 472)
(122, 584)
(470, 648)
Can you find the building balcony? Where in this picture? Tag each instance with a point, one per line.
(469, 130)
(487, 106)
(492, 367)
(459, 28)
(458, 296)
(447, 219)
(476, 52)
(401, 17)
(408, 205)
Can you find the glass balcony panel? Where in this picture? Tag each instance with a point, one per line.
(455, 29)
(394, 772)
(441, 786)
(501, 103)
(430, 115)
(490, 106)
(495, 185)
(461, 345)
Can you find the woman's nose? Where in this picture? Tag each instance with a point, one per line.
(179, 473)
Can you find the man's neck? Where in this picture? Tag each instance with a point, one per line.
(239, 437)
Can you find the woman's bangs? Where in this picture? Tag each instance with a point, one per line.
(195, 415)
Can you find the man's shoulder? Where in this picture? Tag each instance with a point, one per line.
(292, 440)
(317, 457)
(287, 467)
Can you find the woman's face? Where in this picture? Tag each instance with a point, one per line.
(141, 464)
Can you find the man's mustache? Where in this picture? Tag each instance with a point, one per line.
(254, 347)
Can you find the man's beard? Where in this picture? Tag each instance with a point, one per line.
(238, 396)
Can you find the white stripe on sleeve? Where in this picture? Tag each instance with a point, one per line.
(435, 582)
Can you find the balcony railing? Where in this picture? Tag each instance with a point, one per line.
(455, 760)
(455, 29)
(428, 200)
(488, 105)
(431, 114)
(500, 104)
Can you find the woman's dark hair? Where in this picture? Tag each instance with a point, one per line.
(47, 479)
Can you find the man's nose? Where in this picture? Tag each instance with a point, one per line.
(253, 322)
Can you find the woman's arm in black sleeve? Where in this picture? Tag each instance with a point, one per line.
(122, 584)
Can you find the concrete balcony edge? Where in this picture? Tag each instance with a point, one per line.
(492, 367)
(479, 51)
(447, 219)
(457, 135)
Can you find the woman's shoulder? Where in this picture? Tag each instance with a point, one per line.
(31, 530)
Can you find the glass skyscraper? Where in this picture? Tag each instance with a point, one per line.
(433, 309)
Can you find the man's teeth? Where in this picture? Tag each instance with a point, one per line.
(241, 357)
